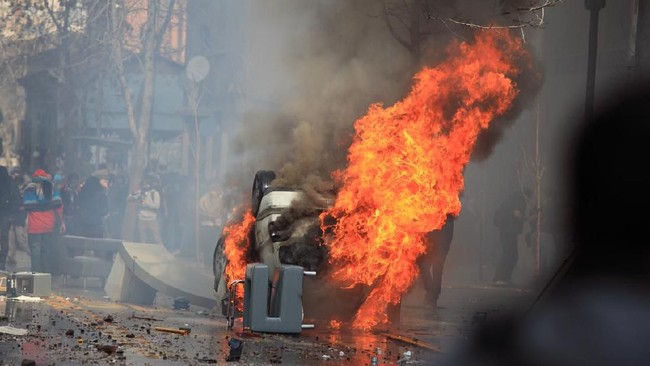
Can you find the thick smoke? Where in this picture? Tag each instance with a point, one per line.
(529, 84)
(312, 68)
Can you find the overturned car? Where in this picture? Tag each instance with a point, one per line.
(287, 231)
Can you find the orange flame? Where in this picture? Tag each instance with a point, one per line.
(406, 165)
(235, 247)
(335, 324)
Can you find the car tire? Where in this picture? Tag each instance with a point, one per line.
(262, 182)
(218, 261)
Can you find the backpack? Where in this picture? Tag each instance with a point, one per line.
(41, 195)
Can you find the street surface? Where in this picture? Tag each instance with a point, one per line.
(79, 326)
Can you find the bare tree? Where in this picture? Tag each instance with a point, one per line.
(31, 28)
(517, 14)
(139, 112)
(39, 26)
(532, 173)
(412, 22)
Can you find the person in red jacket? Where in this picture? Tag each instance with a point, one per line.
(41, 227)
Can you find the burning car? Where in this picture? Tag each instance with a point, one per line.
(418, 148)
(287, 230)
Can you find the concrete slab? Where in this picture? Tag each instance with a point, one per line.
(140, 269)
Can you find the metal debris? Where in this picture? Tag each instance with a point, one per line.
(6, 329)
(145, 318)
(172, 330)
(236, 347)
(413, 341)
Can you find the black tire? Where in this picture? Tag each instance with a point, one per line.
(262, 182)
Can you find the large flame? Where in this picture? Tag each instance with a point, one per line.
(236, 247)
(406, 163)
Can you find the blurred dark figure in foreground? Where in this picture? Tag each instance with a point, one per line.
(432, 262)
(597, 312)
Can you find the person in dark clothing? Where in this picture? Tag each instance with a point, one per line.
(69, 193)
(509, 219)
(9, 205)
(92, 207)
(117, 192)
(43, 202)
(19, 219)
(432, 262)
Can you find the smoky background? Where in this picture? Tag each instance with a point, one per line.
(307, 71)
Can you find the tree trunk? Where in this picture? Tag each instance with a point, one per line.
(136, 171)
(140, 127)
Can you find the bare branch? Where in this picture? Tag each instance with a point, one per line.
(392, 30)
(546, 4)
(116, 22)
(478, 26)
(537, 12)
(50, 11)
(160, 32)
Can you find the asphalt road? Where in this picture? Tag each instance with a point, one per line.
(77, 326)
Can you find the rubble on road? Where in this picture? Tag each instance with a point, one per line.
(6, 329)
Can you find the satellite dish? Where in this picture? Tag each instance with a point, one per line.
(197, 68)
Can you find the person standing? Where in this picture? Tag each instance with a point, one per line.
(148, 206)
(18, 230)
(116, 194)
(92, 207)
(432, 262)
(9, 204)
(69, 193)
(509, 219)
(45, 211)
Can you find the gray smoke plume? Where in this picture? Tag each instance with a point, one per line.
(312, 68)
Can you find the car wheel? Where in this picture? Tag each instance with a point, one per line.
(218, 262)
(262, 182)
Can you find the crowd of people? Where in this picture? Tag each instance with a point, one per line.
(36, 208)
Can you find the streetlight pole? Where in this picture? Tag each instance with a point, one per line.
(594, 7)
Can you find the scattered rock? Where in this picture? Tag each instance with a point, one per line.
(207, 360)
(108, 349)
